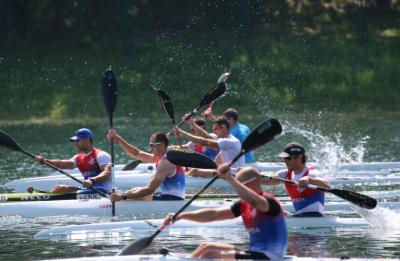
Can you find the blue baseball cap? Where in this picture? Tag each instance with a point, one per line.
(81, 134)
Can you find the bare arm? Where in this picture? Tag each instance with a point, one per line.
(199, 140)
(218, 159)
(104, 175)
(208, 114)
(257, 201)
(62, 164)
(317, 181)
(164, 168)
(200, 131)
(207, 214)
(130, 149)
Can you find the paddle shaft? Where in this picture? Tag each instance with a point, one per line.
(189, 116)
(198, 193)
(63, 172)
(109, 91)
(355, 198)
(110, 116)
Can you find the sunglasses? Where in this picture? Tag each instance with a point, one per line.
(152, 145)
(291, 157)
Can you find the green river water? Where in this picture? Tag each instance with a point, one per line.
(329, 138)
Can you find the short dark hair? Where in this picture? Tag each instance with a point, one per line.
(199, 121)
(222, 121)
(231, 113)
(160, 137)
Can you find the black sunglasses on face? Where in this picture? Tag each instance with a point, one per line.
(291, 157)
(152, 145)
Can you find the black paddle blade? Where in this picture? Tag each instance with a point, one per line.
(136, 247)
(109, 90)
(358, 199)
(263, 133)
(166, 103)
(213, 94)
(131, 165)
(190, 159)
(7, 141)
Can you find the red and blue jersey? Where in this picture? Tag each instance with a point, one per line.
(175, 184)
(304, 199)
(268, 231)
(89, 167)
(209, 152)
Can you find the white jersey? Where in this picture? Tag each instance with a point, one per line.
(229, 147)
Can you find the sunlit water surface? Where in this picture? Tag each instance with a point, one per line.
(330, 139)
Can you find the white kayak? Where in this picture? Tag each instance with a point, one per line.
(128, 179)
(131, 208)
(274, 166)
(129, 226)
(184, 257)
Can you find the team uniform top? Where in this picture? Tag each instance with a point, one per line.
(241, 131)
(229, 147)
(89, 165)
(304, 200)
(268, 230)
(173, 185)
(209, 152)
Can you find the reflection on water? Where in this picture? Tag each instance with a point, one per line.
(330, 139)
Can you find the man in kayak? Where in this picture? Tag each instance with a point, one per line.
(306, 202)
(94, 165)
(262, 216)
(168, 177)
(239, 130)
(198, 128)
(226, 143)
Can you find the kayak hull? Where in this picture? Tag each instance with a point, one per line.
(125, 180)
(130, 208)
(129, 226)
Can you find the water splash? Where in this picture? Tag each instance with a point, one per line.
(328, 152)
(384, 221)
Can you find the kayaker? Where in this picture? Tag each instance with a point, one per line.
(168, 177)
(262, 216)
(226, 143)
(306, 202)
(239, 130)
(198, 127)
(94, 165)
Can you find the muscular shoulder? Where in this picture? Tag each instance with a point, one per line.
(165, 167)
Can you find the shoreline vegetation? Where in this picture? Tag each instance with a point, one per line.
(295, 57)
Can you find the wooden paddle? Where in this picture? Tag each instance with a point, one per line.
(109, 89)
(10, 143)
(265, 132)
(358, 199)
